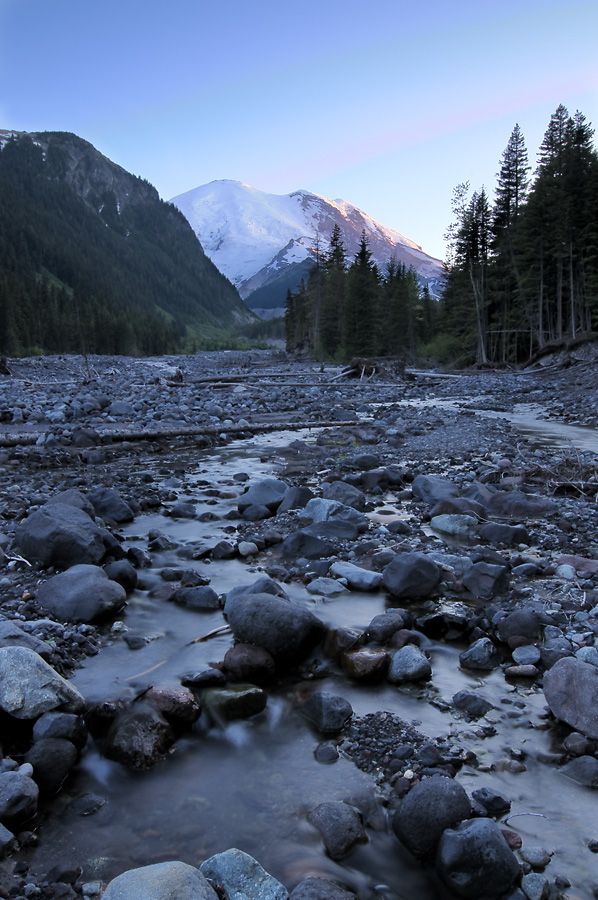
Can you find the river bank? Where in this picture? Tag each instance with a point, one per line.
(176, 440)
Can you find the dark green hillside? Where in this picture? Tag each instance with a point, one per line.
(92, 260)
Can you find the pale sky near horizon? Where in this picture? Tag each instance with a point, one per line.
(387, 105)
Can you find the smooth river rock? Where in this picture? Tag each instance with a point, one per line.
(571, 691)
(162, 881)
(240, 877)
(83, 593)
(30, 687)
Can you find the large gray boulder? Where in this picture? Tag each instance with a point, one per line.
(430, 806)
(357, 578)
(139, 737)
(83, 593)
(328, 712)
(30, 687)
(321, 510)
(571, 691)
(59, 534)
(432, 488)
(474, 860)
(410, 575)
(285, 628)
(344, 493)
(240, 877)
(162, 881)
(409, 664)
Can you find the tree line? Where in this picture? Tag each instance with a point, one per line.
(343, 309)
(522, 272)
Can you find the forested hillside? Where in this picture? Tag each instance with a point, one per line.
(91, 260)
(523, 270)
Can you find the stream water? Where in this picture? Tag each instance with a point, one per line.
(250, 784)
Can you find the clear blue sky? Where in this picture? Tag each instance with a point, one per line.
(385, 104)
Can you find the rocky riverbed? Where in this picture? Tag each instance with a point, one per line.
(457, 514)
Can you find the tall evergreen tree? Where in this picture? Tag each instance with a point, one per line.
(361, 327)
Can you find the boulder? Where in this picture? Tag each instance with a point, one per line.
(321, 510)
(11, 635)
(235, 701)
(239, 876)
(328, 712)
(357, 578)
(521, 623)
(30, 687)
(108, 504)
(430, 806)
(310, 546)
(583, 770)
(18, 798)
(340, 825)
(432, 488)
(474, 860)
(52, 760)
(571, 691)
(246, 662)
(367, 664)
(508, 504)
(509, 535)
(481, 655)
(295, 498)
(61, 535)
(410, 575)
(122, 572)
(409, 664)
(285, 628)
(315, 888)
(61, 725)
(268, 493)
(486, 580)
(201, 598)
(344, 493)
(138, 737)
(83, 593)
(162, 881)
(383, 626)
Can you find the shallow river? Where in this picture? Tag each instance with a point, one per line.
(250, 784)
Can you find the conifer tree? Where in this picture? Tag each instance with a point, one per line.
(361, 326)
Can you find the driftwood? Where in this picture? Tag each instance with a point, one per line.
(361, 367)
(28, 438)
(4, 370)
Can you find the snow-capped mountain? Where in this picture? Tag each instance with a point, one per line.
(265, 243)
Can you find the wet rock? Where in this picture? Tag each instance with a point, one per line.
(527, 655)
(239, 876)
(267, 493)
(535, 886)
(52, 760)
(328, 712)
(333, 530)
(358, 579)
(472, 704)
(571, 691)
(486, 580)
(162, 881)
(521, 623)
(320, 510)
(223, 550)
(474, 860)
(295, 498)
(509, 504)
(344, 493)
(583, 770)
(179, 707)
(410, 576)
(509, 535)
(493, 803)
(432, 488)
(409, 664)
(455, 525)
(109, 504)
(326, 752)
(11, 635)
(481, 655)
(284, 628)
(60, 535)
(201, 598)
(72, 497)
(365, 665)
(326, 587)
(83, 593)
(61, 725)
(139, 737)
(246, 662)
(18, 798)
(309, 546)
(430, 806)
(30, 687)
(8, 842)
(459, 506)
(340, 825)
(123, 573)
(315, 888)
(237, 701)
(383, 626)
(537, 857)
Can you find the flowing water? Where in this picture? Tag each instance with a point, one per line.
(250, 784)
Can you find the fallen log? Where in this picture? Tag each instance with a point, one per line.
(30, 438)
